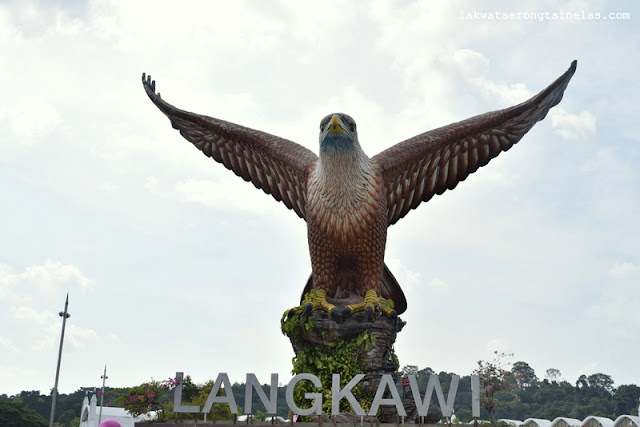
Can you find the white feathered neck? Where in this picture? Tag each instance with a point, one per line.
(344, 178)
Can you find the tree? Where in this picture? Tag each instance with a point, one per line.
(582, 381)
(144, 398)
(13, 413)
(219, 411)
(524, 374)
(422, 376)
(626, 400)
(494, 378)
(601, 381)
(410, 369)
(189, 390)
(38, 402)
(553, 374)
(68, 417)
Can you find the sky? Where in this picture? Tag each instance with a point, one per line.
(172, 263)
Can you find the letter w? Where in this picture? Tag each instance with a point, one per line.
(434, 383)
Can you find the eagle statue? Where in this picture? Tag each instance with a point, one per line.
(349, 199)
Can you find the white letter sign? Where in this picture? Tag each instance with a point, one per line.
(227, 398)
(252, 383)
(475, 396)
(177, 397)
(434, 383)
(317, 404)
(337, 394)
(386, 382)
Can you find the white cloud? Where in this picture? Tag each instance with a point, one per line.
(614, 308)
(6, 344)
(471, 63)
(151, 183)
(32, 315)
(53, 276)
(438, 286)
(7, 31)
(407, 278)
(474, 68)
(31, 119)
(112, 195)
(109, 187)
(25, 300)
(624, 269)
(495, 345)
(42, 327)
(587, 369)
(8, 281)
(604, 160)
(47, 279)
(39, 325)
(573, 126)
(230, 198)
(84, 339)
(507, 94)
(117, 23)
(67, 25)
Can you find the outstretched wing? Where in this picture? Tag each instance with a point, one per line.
(277, 166)
(435, 161)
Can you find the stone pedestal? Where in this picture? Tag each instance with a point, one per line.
(376, 354)
(379, 358)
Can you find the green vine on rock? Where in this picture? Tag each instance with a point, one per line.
(344, 356)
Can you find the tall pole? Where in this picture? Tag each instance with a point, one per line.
(65, 315)
(104, 378)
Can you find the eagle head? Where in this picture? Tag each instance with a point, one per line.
(338, 133)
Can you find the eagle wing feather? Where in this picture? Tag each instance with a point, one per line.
(435, 161)
(277, 166)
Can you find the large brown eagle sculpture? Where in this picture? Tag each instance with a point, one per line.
(349, 199)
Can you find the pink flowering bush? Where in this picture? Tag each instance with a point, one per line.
(494, 378)
(145, 397)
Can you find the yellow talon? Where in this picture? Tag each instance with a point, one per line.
(370, 297)
(369, 304)
(316, 301)
(388, 311)
(320, 302)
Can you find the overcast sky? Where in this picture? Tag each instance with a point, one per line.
(173, 263)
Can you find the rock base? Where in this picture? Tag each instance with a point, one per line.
(379, 358)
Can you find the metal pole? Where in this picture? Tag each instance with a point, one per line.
(65, 315)
(104, 378)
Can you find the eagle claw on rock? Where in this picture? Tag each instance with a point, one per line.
(318, 302)
(371, 300)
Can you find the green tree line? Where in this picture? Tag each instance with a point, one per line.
(512, 392)
(519, 394)
(32, 409)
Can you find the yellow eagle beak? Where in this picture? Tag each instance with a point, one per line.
(336, 125)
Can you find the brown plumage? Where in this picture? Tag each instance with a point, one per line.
(348, 199)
